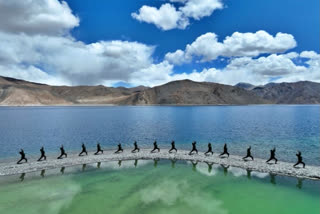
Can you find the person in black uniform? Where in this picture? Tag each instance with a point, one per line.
(194, 148)
(43, 154)
(272, 156)
(84, 150)
(119, 149)
(136, 148)
(23, 157)
(99, 150)
(299, 160)
(173, 147)
(225, 151)
(249, 155)
(155, 147)
(209, 149)
(62, 153)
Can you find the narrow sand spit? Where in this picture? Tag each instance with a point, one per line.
(282, 168)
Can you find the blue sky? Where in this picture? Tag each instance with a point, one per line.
(94, 32)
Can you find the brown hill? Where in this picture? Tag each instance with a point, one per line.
(15, 92)
(194, 93)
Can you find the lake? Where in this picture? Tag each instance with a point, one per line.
(146, 186)
(287, 127)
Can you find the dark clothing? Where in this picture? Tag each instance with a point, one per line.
(23, 157)
(248, 154)
(84, 150)
(136, 148)
(62, 153)
(43, 155)
(119, 148)
(225, 150)
(209, 149)
(299, 160)
(98, 149)
(194, 148)
(173, 147)
(272, 156)
(155, 147)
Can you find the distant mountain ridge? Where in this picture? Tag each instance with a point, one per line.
(15, 92)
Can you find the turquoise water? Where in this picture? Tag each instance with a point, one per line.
(287, 127)
(156, 187)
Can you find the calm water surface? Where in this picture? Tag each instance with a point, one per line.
(287, 127)
(156, 187)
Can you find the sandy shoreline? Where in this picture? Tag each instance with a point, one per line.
(259, 165)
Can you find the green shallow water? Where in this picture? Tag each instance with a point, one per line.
(160, 187)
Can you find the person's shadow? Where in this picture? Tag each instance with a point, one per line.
(194, 165)
(173, 163)
(155, 163)
(225, 169)
(273, 179)
(84, 167)
(22, 176)
(248, 174)
(299, 184)
(98, 165)
(42, 173)
(62, 170)
(135, 163)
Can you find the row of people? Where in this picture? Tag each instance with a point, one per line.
(173, 148)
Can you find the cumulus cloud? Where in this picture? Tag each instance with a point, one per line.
(167, 17)
(43, 50)
(207, 47)
(36, 16)
(259, 71)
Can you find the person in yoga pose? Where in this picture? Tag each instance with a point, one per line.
(248, 154)
(43, 154)
(84, 150)
(299, 160)
(155, 147)
(99, 150)
(23, 157)
(272, 156)
(119, 149)
(209, 149)
(173, 147)
(62, 153)
(194, 148)
(136, 148)
(225, 151)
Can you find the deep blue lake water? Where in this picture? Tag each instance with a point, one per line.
(289, 128)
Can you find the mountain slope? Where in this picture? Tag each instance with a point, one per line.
(304, 92)
(197, 93)
(15, 92)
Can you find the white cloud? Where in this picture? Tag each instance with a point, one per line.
(167, 17)
(207, 47)
(198, 9)
(36, 16)
(74, 61)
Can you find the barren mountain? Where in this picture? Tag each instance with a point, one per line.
(304, 92)
(197, 93)
(15, 92)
